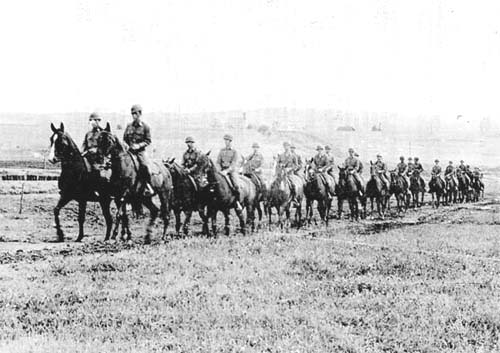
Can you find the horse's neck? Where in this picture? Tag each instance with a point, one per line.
(74, 160)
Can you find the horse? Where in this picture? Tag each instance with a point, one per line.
(125, 184)
(186, 197)
(377, 189)
(399, 189)
(477, 188)
(317, 189)
(451, 188)
(76, 182)
(280, 197)
(417, 189)
(261, 188)
(436, 189)
(218, 196)
(347, 189)
(463, 187)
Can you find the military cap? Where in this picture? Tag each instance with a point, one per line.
(379, 155)
(328, 148)
(436, 161)
(189, 139)
(351, 149)
(286, 144)
(255, 145)
(410, 159)
(416, 158)
(136, 108)
(401, 157)
(94, 116)
(292, 146)
(462, 161)
(319, 148)
(451, 162)
(228, 137)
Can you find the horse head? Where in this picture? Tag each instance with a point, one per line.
(107, 142)
(62, 147)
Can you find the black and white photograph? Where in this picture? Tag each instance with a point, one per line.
(247, 176)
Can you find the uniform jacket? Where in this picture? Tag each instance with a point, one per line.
(381, 166)
(254, 163)
(139, 134)
(320, 161)
(402, 167)
(190, 158)
(90, 139)
(436, 170)
(227, 159)
(352, 163)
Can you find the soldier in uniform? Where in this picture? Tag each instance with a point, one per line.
(190, 157)
(89, 146)
(419, 169)
(138, 136)
(402, 169)
(254, 161)
(381, 168)
(411, 167)
(298, 160)
(450, 171)
(287, 163)
(353, 165)
(227, 161)
(320, 160)
(436, 169)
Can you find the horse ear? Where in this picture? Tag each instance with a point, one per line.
(208, 153)
(171, 160)
(61, 127)
(108, 127)
(53, 128)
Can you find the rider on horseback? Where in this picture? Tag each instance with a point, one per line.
(190, 159)
(449, 172)
(418, 169)
(138, 136)
(354, 167)
(463, 169)
(321, 164)
(411, 167)
(436, 170)
(381, 168)
(288, 163)
(253, 166)
(402, 169)
(89, 146)
(297, 158)
(226, 162)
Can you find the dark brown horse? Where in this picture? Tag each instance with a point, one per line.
(76, 182)
(436, 189)
(377, 190)
(317, 189)
(186, 197)
(280, 198)
(399, 189)
(477, 188)
(218, 196)
(261, 188)
(125, 185)
(464, 188)
(417, 189)
(451, 190)
(347, 189)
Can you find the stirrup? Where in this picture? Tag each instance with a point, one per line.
(238, 206)
(148, 190)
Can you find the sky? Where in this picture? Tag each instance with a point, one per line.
(426, 56)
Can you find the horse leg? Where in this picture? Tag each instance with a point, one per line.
(118, 215)
(204, 219)
(105, 202)
(63, 201)
(153, 214)
(340, 204)
(82, 207)
(187, 222)
(126, 225)
(164, 210)
(298, 214)
(213, 217)
(226, 221)
(177, 214)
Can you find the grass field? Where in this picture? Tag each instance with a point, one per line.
(427, 283)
